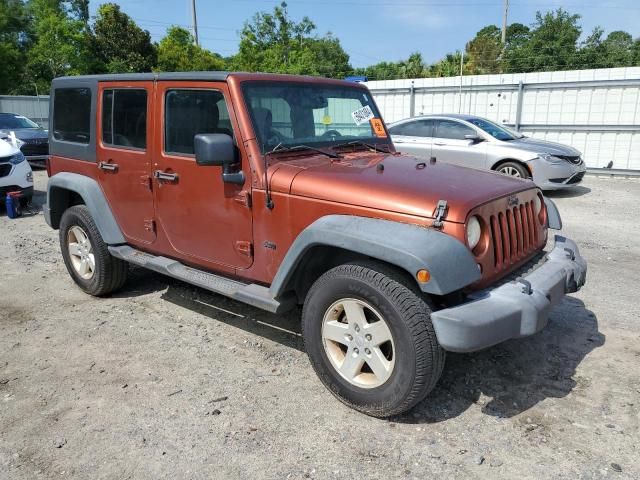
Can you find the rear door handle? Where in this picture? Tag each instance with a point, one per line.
(440, 144)
(166, 177)
(109, 167)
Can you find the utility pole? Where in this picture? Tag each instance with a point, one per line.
(504, 21)
(461, 72)
(194, 21)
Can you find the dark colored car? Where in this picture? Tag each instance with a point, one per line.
(34, 138)
(280, 191)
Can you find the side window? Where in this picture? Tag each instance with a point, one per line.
(190, 112)
(416, 128)
(453, 130)
(72, 115)
(124, 118)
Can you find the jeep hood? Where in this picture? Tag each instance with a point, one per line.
(394, 183)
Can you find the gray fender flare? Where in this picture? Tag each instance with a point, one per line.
(404, 245)
(93, 198)
(553, 215)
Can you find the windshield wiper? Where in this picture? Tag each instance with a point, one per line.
(371, 146)
(298, 148)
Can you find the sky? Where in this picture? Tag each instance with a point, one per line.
(372, 31)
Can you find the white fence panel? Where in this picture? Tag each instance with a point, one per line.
(595, 111)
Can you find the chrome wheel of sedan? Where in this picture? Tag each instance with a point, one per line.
(81, 252)
(358, 343)
(510, 171)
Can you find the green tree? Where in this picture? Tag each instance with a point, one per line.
(120, 44)
(449, 66)
(61, 45)
(273, 42)
(551, 44)
(483, 53)
(13, 23)
(177, 53)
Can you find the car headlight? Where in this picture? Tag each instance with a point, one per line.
(17, 158)
(473, 232)
(547, 157)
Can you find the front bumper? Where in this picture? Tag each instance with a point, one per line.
(515, 309)
(556, 176)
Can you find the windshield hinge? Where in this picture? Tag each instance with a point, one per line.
(439, 214)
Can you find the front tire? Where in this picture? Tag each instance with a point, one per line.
(368, 334)
(86, 256)
(513, 169)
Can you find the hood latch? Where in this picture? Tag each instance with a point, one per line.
(440, 214)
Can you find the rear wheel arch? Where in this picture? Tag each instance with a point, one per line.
(60, 200)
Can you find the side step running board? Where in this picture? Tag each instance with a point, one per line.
(249, 293)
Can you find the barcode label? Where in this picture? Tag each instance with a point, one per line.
(362, 115)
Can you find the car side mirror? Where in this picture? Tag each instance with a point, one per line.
(474, 138)
(218, 150)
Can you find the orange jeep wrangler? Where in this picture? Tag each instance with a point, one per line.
(280, 191)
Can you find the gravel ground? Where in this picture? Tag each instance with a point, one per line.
(164, 380)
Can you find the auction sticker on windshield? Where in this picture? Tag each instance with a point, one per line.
(362, 115)
(378, 127)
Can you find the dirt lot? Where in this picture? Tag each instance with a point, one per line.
(165, 380)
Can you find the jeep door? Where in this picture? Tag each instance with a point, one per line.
(451, 146)
(206, 221)
(124, 152)
(413, 136)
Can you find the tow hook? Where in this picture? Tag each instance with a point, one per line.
(526, 286)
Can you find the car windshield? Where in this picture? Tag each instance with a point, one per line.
(8, 122)
(499, 132)
(289, 114)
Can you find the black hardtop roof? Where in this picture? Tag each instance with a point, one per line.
(141, 77)
(192, 76)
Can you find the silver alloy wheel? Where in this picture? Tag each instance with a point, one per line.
(358, 342)
(510, 171)
(81, 252)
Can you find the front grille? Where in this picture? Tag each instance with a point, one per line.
(576, 160)
(5, 169)
(29, 149)
(514, 234)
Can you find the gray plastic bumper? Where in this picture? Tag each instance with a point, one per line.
(515, 309)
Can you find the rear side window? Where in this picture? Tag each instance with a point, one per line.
(72, 115)
(416, 128)
(124, 118)
(190, 112)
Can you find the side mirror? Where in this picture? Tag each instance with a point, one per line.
(218, 150)
(474, 138)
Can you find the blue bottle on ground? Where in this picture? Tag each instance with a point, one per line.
(12, 206)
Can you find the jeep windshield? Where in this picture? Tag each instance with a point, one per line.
(290, 114)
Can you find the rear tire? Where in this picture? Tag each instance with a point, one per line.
(86, 256)
(348, 312)
(513, 169)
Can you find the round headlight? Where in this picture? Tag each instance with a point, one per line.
(537, 204)
(473, 232)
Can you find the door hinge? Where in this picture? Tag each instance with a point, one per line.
(243, 198)
(149, 225)
(244, 248)
(440, 214)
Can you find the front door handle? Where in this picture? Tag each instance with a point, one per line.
(166, 177)
(439, 144)
(109, 167)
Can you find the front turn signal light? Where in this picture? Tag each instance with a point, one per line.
(423, 276)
